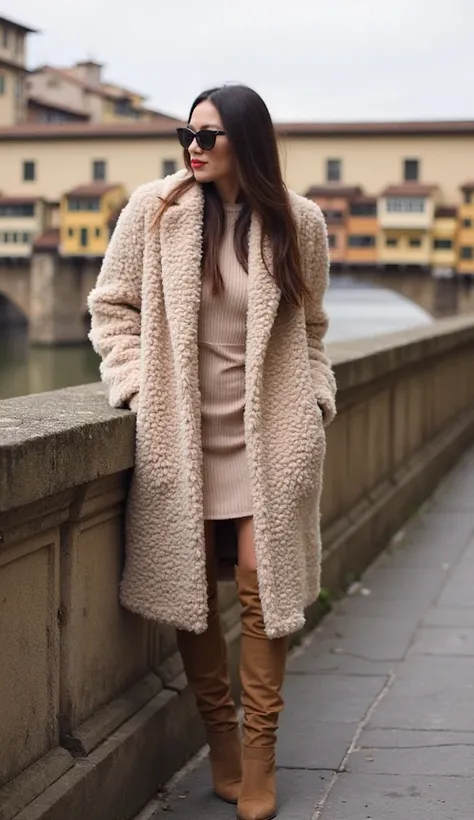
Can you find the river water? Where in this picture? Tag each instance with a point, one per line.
(358, 305)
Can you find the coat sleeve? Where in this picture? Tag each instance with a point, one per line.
(115, 306)
(317, 265)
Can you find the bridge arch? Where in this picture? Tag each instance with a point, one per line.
(15, 292)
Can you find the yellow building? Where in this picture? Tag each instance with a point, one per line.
(444, 236)
(87, 216)
(12, 73)
(406, 215)
(362, 232)
(465, 261)
(22, 220)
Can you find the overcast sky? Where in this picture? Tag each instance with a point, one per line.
(309, 59)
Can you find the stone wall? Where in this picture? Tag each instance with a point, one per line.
(95, 714)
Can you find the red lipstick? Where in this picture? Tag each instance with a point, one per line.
(196, 163)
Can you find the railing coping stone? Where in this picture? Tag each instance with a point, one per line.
(51, 442)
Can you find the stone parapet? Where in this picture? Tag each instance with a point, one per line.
(92, 696)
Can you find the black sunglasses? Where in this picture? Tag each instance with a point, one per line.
(205, 139)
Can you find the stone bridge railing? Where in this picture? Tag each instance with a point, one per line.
(94, 710)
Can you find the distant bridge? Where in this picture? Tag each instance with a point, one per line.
(50, 294)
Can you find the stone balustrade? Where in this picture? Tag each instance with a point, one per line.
(95, 714)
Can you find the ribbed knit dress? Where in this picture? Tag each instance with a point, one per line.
(222, 334)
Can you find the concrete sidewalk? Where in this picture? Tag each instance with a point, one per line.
(379, 718)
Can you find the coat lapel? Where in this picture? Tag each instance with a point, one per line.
(263, 300)
(181, 252)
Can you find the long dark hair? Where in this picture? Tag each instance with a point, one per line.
(249, 127)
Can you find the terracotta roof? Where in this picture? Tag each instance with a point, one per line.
(47, 241)
(92, 189)
(467, 186)
(446, 211)
(19, 200)
(334, 190)
(65, 74)
(26, 29)
(164, 127)
(55, 106)
(431, 127)
(410, 189)
(365, 199)
(160, 127)
(13, 64)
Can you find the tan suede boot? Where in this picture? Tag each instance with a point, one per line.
(205, 663)
(262, 669)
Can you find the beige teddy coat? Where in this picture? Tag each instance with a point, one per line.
(145, 310)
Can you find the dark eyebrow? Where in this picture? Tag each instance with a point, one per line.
(206, 127)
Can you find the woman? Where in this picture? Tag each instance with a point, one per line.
(208, 317)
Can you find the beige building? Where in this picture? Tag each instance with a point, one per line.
(22, 220)
(12, 72)
(79, 93)
(371, 156)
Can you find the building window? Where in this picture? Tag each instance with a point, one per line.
(391, 242)
(168, 167)
(70, 232)
(442, 244)
(333, 170)
(5, 36)
(84, 203)
(29, 171)
(363, 209)
(467, 253)
(26, 238)
(411, 204)
(84, 237)
(333, 216)
(3, 83)
(467, 223)
(361, 241)
(18, 209)
(124, 108)
(97, 232)
(411, 170)
(467, 197)
(414, 243)
(332, 240)
(18, 87)
(99, 170)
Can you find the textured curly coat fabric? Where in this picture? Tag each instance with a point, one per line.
(145, 310)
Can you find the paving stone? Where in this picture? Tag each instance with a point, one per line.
(405, 583)
(397, 797)
(396, 751)
(429, 676)
(192, 799)
(458, 593)
(328, 698)
(372, 606)
(361, 638)
(441, 616)
(417, 713)
(305, 743)
(443, 640)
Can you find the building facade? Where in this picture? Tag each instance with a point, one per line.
(381, 186)
(22, 220)
(87, 217)
(12, 72)
(466, 230)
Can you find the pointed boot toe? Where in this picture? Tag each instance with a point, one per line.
(257, 799)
